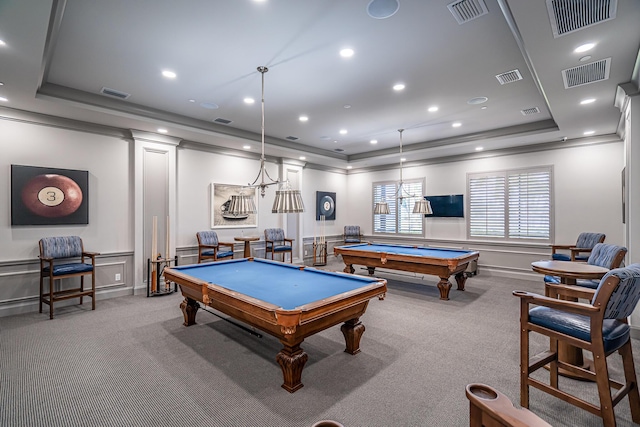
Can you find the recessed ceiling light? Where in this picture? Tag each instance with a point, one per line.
(433, 109)
(192, 100)
(169, 74)
(347, 53)
(477, 100)
(456, 124)
(325, 138)
(2, 43)
(303, 118)
(347, 105)
(398, 86)
(3, 99)
(349, 167)
(343, 131)
(249, 100)
(479, 148)
(585, 58)
(1, 84)
(162, 130)
(484, 107)
(587, 101)
(374, 141)
(246, 147)
(585, 47)
(589, 132)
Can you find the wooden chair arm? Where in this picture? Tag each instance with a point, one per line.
(554, 247)
(227, 244)
(91, 254)
(288, 240)
(568, 306)
(577, 251)
(46, 259)
(207, 246)
(571, 291)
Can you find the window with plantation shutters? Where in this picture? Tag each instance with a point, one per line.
(511, 205)
(401, 219)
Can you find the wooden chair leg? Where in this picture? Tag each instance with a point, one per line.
(41, 291)
(630, 378)
(93, 290)
(524, 366)
(81, 287)
(553, 366)
(51, 287)
(604, 389)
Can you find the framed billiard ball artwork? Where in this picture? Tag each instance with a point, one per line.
(325, 205)
(49, 196)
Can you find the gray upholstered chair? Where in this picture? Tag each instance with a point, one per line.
(603, 255)
(62, 258)
(352, 234)
(275, 242)
(599, 327)
(210, 249)
(580, 251)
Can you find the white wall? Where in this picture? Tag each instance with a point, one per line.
(316, 180)
(108, 161)
(587, 190)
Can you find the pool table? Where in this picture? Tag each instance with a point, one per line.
(418, 259)
(287, 301)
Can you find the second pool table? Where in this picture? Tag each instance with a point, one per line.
(418, 259)
(287, 301)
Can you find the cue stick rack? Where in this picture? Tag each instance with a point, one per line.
(320, 245)
(157, 263)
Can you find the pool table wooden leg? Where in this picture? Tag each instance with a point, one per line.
(189, 309)
(371, 270)
(352, 331)
(461, 278)
(292, 360)
(444, 285)
(349, 269)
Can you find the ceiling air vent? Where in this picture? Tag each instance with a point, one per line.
(509, 77)
(467, 10)
(222, 121)
(114, 93)
(530, 111)
(586, 74)
(567, 16)
(292, 138)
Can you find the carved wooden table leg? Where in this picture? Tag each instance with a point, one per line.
(371, 270)
(461, 278)
(352, 331)
(189, 309)
(349, 269)
(444, 285)
(292, 359)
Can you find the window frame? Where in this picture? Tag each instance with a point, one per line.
(506, 173)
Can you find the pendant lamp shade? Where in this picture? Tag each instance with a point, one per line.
(422, 206)
(381, 208)
(242, 204)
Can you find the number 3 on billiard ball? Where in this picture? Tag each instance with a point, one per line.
(52, 195)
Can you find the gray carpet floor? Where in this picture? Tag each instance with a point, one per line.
(131, 362)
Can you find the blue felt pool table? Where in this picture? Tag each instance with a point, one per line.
(287, 301)
(419, 259)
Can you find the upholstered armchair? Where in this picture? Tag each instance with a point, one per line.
(580, 251)
(352, 234)
(210, 249)
(599, 327)
(603, 255)
(275, 242)
(59, 260)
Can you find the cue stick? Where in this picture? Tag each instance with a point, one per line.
(154, 249)
(251, 331)
(166, 252)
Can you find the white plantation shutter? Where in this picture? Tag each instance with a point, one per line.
(401, 219)
(511, 205)
(486, 206)
(530, 205)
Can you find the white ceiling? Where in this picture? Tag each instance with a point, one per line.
(60, 54)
